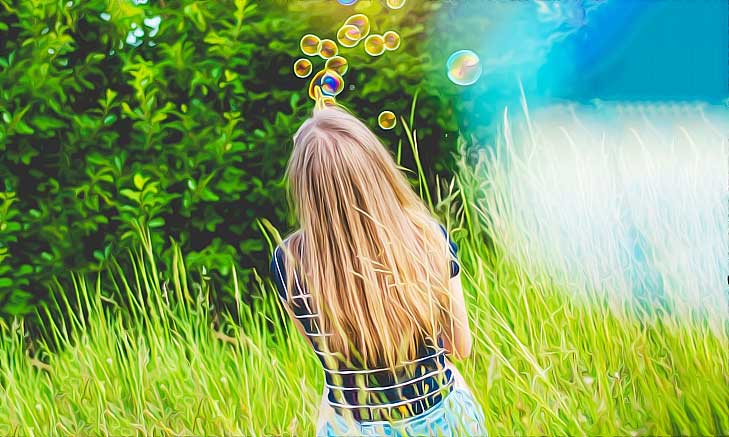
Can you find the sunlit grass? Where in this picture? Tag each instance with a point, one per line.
(572, 336)
(604, 309)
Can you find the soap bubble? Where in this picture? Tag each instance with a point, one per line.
(326, 82)
(395, 4)
(338, 64)
(464, 67)
(315, 92)
(374, 45)
(361, 22)
(392, 40)
(328, 48)
(331, 83)
(315, 85)
(310, 44)
(349, 35)
(386, 120)
(302, 67)
(347, 2)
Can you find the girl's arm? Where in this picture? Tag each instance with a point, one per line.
(278, 276)
(457, 337)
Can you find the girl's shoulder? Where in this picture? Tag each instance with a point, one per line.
(452, 244)
(278, 267)
(278, 271)
(454, 264)
(278, 263)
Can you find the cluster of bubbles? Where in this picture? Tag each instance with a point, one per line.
(328, 83)
(463, 66)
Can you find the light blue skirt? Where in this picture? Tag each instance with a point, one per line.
(458, 414)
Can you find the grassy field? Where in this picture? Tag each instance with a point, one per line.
(588, 280)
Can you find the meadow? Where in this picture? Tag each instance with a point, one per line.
(591, 266)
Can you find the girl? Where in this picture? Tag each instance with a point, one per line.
(371, 280)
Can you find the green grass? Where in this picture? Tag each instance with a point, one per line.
(556, 352)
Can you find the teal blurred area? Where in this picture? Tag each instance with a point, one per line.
(657, 49)
(582, 50)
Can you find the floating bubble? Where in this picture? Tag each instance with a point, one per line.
(316, 94)
(347, 2)
(328, 48)
(392, 40)
(315, 85)
(326, 83)
(395, 4)
(374, 45)
(331, 83)
(302, 67)
(338, 64)
(310, 44)
(464, 67)
(386, 120)
(361, 22)
(349, 35)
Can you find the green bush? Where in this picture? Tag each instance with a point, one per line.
(118, 115)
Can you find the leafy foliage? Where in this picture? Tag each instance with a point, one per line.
(116, 115)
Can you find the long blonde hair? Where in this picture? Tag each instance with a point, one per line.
(368, 249)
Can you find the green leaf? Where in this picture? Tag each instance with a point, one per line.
(131, 194)
(12, 226)
(128, 235)
(28, 155)
(251, 246)
(110, 95)
(46, 123)
(24, 270)
(209, 196)
(139, 181)
(159, 117)
(156, 222)
(22, 127)
(294, 99)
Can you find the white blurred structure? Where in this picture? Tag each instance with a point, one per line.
(619, 203)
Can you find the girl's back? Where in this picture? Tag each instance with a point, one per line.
(367, 280)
